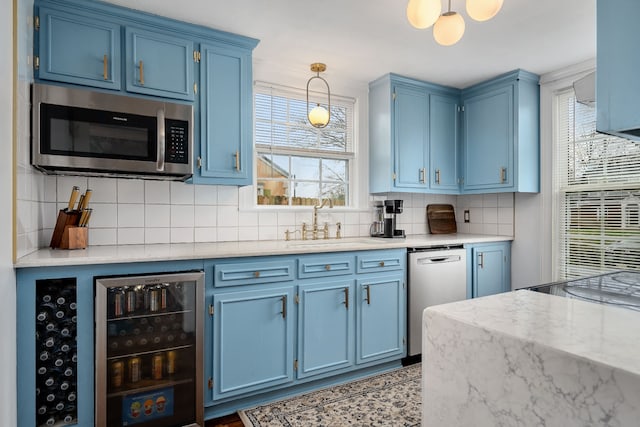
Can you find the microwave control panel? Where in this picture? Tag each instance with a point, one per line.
(177, 141)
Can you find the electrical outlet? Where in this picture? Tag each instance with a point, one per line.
(467, 216)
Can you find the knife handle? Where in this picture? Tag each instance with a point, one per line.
(72, 199)
(85, 200)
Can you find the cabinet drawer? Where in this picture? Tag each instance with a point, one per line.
(323, 266)
(252, 272)
(381, 261)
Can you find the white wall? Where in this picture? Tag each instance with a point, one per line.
(8, 409)
(532, 253)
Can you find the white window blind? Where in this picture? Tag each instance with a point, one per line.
(297, 163)
(597, 182)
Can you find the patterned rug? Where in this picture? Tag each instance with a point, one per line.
(389, 399)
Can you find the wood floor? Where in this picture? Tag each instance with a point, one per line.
(232, 420)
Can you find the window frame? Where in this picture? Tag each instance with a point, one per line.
(350, 155)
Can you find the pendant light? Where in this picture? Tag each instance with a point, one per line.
(319, 116)
(423, 13)
(449, 28)
(483, 10)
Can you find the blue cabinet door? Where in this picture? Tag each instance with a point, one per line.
(618, 86)
(79, 50)
(491, 269)
(411, 138)
(488, 140)
(443, 143)
(326, 317)
(225, 151)
(159, 64)
(381, 317)
(253, 340)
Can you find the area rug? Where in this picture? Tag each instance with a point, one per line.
(389, 399)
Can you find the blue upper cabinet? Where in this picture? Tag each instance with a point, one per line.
(618, 86)
(443, 143)
(413, 128)
(226, 116)
(159, 64)
(78, 50)
(500, 148)
(411, 147)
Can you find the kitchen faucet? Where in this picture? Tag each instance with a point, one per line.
(315, 218)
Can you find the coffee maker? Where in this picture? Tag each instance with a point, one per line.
(386, 226)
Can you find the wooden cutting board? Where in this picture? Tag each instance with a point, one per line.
(441, 219)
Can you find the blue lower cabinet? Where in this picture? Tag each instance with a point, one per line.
(326, 318)
(253, 340)
(490, 268)
(381, 318)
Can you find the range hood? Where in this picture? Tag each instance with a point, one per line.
(585, 89)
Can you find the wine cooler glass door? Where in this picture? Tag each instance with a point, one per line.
(149, 350)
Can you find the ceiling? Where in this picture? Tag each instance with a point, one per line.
(360, 40)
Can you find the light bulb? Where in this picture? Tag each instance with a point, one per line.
(448, 29)
(483, 10)
(319, 116)
(423, 13)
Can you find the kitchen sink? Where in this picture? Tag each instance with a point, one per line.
(330, 242)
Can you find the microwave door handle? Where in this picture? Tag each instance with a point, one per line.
(161, 141)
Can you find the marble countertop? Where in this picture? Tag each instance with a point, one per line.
(595, 332)
(186, 251)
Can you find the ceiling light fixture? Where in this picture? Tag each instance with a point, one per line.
(448, 27)
(319, 116)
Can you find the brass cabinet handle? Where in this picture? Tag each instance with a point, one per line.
(368, 287)
(327, 267)
(237, 160)
(437, 176)
(381, 264)
(481, 260)
(421, 175)
(503, 175)
(346, 298)
(256, 274)
(284, 307)
(141, 73)
(105, 62)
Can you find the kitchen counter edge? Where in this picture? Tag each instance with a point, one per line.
(117, 254)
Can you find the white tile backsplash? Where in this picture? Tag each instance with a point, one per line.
(130, 211)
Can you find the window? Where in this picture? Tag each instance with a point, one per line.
(296, 163)
(597, 183)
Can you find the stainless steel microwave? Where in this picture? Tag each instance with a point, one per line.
(82, 132)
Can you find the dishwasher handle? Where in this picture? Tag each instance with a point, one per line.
(438, 259)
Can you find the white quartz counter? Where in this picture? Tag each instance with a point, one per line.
(186, 251)
(530, 359)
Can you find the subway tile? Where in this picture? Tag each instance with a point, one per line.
(476, 228)
(205, 234)
(247, 219)
(463, 227)
(490, 200)
(505, 200)
(130, 216)
(104, 190)
(103, 236)
(154, 236)
(505, 229)
(227, 216)
(182, 235)
(181, 193)
(157, 216)
(227, 234)
(182, 216)
(267, 219)
(475, 216)
(354, 218)
(490, 215)
(157, 192)
(206, 195)
(227, 195)
(50, 188)
(286, 219)
(205, 216)
(65, 184)
(490, 229)
(130, 190)
(505, 215)
(104, 215)
(247, 233)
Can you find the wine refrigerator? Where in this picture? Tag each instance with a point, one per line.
(149, 363)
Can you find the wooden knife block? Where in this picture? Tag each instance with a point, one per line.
(67, 234)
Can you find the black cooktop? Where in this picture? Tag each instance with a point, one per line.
(620, 288)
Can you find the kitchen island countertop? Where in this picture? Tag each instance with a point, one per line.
(530, 359)
(189, 251)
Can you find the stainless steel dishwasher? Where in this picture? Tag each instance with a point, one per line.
(437, 275)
